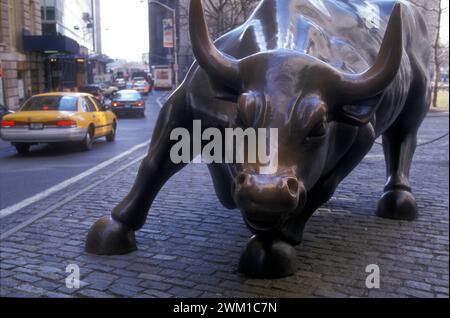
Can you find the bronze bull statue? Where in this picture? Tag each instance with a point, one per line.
(332, 76)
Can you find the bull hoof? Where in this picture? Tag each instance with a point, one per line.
(109, 237)
(268, 258)
(397, 205)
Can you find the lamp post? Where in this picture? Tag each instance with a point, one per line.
(174, 14)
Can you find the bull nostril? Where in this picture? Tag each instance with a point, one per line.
(293, 186)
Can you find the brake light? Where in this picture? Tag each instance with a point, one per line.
(138, 104)
(115, 104)
(8, 123)
(66, 123)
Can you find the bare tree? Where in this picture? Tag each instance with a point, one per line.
(225, 15)
(433, 10)
(222, 15)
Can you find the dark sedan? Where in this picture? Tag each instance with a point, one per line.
(128, 102)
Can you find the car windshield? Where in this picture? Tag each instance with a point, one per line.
(128, 96)
(51, 103)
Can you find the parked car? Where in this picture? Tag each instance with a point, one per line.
(59, 118)
(93, 89)
(127, 102)
(4, 111)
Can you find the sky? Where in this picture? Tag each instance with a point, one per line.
(124, 29)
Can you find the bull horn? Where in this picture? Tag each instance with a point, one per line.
(216, 64)
(352, 88)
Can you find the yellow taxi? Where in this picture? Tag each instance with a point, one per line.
(57, 118)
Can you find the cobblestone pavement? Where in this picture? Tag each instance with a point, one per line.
(190, 245)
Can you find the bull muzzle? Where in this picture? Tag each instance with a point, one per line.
(265, 201)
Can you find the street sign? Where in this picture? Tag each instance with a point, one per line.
(168, 36)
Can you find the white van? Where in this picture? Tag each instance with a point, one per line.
(163, 78)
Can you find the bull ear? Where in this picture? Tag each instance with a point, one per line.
(356, 89)
(358, 115)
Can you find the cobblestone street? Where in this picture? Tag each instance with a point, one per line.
(190, 245)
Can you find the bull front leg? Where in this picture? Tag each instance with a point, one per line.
(115, 234)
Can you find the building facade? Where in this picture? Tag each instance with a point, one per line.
(160, 55)
(229, 13)
(76, 22)
(48, 45)
(21, 71)
(73, 19)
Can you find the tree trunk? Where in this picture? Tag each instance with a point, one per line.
(437, 62)
(436, 85)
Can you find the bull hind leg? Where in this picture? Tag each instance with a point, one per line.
(398, 202)
(114, 235)
(399, 144)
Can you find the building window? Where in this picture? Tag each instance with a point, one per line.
(48, 10)
(50, 14)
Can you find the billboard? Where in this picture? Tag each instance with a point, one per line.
(168, 36)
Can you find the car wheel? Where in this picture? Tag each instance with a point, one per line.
(88, 141)
(23, 149)
(112, 135)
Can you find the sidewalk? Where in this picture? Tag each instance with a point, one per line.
(190, 245)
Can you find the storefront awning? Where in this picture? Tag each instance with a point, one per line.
(50, 44)
(102, 58)
(68, 56)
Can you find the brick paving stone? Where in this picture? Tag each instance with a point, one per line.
(155, 285)
(157, 294)
(92, 293)
(27, 278)
(190, 245)
(414, 292)
(184, 292)
(124, 290)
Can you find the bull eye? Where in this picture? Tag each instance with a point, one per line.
(317, 133)
(247, 105)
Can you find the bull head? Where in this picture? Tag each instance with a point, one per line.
(301, 95)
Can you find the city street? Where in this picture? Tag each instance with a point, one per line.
(48, 166)
(74, 185)
(190, 245)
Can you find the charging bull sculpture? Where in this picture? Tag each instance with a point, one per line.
(332, 76)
